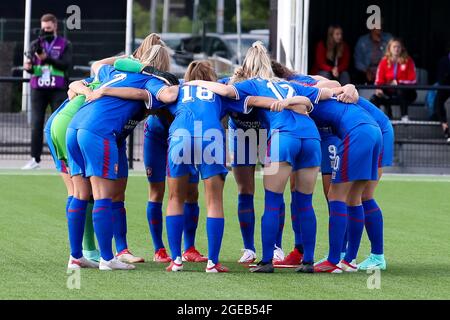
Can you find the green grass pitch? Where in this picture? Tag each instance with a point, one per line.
(34, 248)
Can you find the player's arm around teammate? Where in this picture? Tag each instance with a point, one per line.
(56, 138)
(81, 88)
(273, 199)
(92, 135)
(199, 104)
(373, 218)
(155, 150)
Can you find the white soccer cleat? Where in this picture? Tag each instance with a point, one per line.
(278, 254)
(248, 256)
(348, 267)
(176, 265)
(114, 264)
(31, 165)
(75, 264)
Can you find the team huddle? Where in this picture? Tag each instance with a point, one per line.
(313, 125)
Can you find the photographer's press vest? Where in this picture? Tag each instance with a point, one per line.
(46, 76)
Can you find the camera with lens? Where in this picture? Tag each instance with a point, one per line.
(36, 47)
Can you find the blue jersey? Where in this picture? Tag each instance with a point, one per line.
(326, 132)
(224, 80)
(286, 121)
(198, 110)
(341, 117)
(379, 116)
(131, 125)
(240, 120)
(304, 80)
(109, 115)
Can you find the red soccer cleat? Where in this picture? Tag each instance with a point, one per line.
(175, 266)
(293, 260)
(161, 256)
(192, 255)
(215, 268)
(327, 267)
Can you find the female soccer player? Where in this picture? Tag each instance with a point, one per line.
(244, 146)
(347, 93)
(58, 128)
(155, 150)
(196, 103)
(356, 163)
(373, 219)
(93, 149)
(90, 251)
(156, 134)
(59, 137)
(194, 106)
(294, 145)
(330, 143)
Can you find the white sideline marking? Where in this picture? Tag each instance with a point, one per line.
(140, 173)
(401, 177)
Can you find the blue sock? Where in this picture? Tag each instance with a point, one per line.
(214, 229)
(308, 224)
(279, 241)
(103, 227)
(174, 225)
(246, 215)
(374, 225)
(270, 223)
(336, 229)
(355, 230)
(191, 213)
(344, 244)
(119, 214)
(155, 223)
(76, 217)
(296, 222)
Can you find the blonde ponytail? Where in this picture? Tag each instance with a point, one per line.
(257, 63)
(157, 57)
(149, 41)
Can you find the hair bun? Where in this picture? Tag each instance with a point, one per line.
(259, 46)
(155, 35)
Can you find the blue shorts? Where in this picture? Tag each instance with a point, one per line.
(123, 160)
(329, 147)
(300, 153)
(387, 154)
(91, 155)
(191, 156)
(155, 151)
(358, 155)
(243, 146)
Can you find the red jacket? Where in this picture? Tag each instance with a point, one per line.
(322, 63)
(406, 72)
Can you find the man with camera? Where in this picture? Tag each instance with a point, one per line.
(49, 62)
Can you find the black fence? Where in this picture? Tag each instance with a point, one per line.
(420, 145)
(96, 38)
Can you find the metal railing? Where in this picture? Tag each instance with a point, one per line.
(418, 144)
